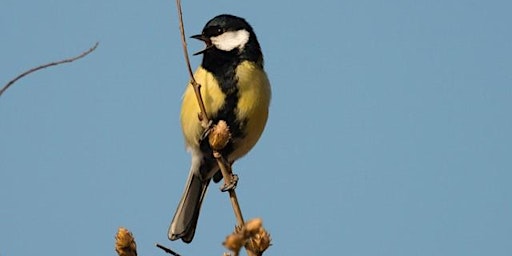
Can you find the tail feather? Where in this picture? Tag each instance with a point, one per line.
(184, 222)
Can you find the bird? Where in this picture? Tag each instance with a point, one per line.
(235, 88)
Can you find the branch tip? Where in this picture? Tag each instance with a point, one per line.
(55, 63)
(167, 250)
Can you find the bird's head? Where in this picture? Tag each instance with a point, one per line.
(227, 34)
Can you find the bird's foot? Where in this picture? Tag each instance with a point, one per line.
(231, 184)
(206, 131)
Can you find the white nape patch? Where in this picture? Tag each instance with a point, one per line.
(230, 40)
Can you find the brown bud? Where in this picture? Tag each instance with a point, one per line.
(253, 226)
(234, 242)
(125, 243)
(259, 242)
(219, 135)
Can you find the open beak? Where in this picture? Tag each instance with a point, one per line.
(206, 40)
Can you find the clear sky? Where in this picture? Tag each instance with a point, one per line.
(389, 134)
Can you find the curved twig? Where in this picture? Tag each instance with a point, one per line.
(203, 116)
(83, 54)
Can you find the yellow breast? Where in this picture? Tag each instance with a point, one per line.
(253, 102)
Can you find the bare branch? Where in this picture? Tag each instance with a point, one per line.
(203, 116)
(83, 54)
(183, 40)
(167, 250)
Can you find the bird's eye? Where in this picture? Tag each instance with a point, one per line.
(217, 31)
(214, 31)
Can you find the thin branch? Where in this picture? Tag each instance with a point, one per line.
(83, 54)
(167, 250)
(183, 40)
(203, 116)
(227, 174)
(218, 139)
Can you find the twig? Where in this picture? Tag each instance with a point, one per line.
(203, 116)
(167, 250)
(183, 40)
(227, 174)
(83, 54)
(218, 139)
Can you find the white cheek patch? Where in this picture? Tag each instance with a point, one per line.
(230, 40)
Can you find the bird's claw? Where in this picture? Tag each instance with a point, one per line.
(231, 185)
(206, 131)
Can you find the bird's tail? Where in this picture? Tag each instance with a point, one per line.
(184, 222)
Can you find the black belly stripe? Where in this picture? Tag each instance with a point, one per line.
(223, 67)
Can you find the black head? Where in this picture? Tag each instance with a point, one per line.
(227, 37)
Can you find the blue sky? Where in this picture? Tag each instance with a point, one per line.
(389, 131)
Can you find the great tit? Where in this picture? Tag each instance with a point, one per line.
(234, 88)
